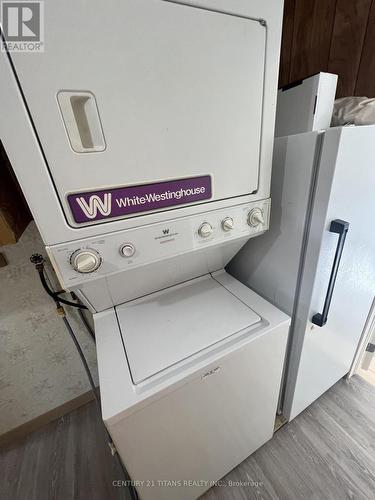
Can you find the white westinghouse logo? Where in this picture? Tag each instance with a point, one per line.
(23, 26)
(95, 205)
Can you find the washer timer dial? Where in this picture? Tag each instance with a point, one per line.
(85, 261)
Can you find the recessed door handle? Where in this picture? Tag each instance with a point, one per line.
(341, 228)
(82, 122)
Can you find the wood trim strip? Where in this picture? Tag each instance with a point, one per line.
(287, 43)
(312, 35)
(23, 430)
(365, 84)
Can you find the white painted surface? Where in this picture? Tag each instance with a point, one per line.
(204, 415)
(163, 328)
(306, 107)
(20, 141)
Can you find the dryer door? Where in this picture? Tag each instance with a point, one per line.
(139, 92)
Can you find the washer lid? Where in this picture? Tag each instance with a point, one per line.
(168, 326)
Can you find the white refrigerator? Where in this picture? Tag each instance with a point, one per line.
(317, 261)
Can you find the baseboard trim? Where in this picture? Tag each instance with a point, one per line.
(33, 425)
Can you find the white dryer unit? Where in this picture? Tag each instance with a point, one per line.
(142, 109)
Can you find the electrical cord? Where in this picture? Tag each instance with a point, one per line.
(38, 261)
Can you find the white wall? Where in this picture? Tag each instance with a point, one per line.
(39, 366)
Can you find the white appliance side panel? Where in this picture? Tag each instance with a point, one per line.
(307, 106)
(295, 105)
(206, 427)
(270, 265)
(180, 96)
(325, 101)
(345, 190)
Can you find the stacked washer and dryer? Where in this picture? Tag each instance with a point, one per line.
(142, 138)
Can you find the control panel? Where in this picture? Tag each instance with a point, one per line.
(91, 258)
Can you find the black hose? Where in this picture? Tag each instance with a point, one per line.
(83, 359)
(55, 295)
(132, 491)
(131, 488)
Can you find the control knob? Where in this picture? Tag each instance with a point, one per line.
(85, 261)
(255, 217)
(227, 224)
(205, 230)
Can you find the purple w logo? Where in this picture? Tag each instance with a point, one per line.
(95, 204)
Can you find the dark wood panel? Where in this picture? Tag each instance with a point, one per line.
(330, 35)
(347, 43)
(286, 42)
(313, 24)
(366, 76)
(14, 212)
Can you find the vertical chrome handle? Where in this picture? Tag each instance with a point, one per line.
(341, 228)
(82, 122)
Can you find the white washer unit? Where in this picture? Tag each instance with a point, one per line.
(189, 381)
(142, 138)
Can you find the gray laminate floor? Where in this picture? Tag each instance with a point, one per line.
(328, 452)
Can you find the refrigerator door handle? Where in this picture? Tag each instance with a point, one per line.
(341, 228)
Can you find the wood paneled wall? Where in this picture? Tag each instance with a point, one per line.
(14, 212)
(337, 36)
